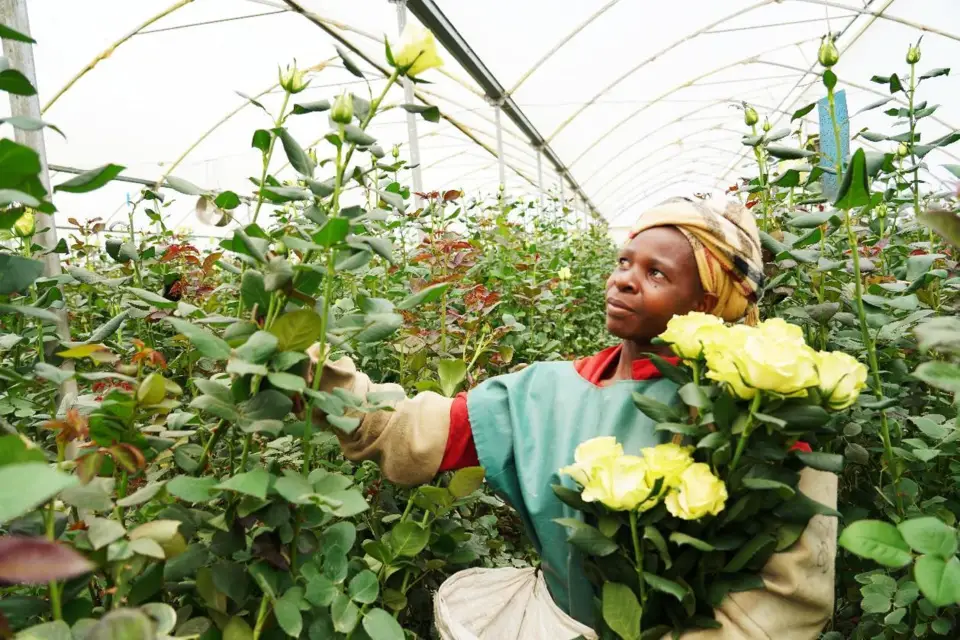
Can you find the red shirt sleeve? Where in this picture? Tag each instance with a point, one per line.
(461, 451)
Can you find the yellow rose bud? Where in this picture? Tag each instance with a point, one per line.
(750, 116)
(342, 111)
(25, 224)
(913, 54)
(667, 461)
(780, 329)
(841, 378)
(828, 54)
(564, 273)
(698, 494)
(686, 333)
(292, 80)
(418, 51)
(619, 484)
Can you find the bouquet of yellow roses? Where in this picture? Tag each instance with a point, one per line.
(672, 529)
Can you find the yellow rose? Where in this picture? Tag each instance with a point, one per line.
(699, 494)
(841, 378)
(667, 461)
(564, 273)
(591, 454)
(684, 333)
(769, 358)
(619, 484)
(780, 329)
(25, 224)
(418, 51)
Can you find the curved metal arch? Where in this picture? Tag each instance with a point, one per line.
(689, 83)
(645, 62)
(717, 127)
(583, 25)
(669, 165)
(682, 118)
(884, 16)
(666, 174)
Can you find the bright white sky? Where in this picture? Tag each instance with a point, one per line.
(668, 128)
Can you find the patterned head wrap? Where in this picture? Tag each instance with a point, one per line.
(726, 245)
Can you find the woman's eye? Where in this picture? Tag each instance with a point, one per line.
(656, 273)
(622, 261)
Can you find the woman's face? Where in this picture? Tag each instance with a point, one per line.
(656, 278)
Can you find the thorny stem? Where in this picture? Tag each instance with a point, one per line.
(638, 555)
(278, 122)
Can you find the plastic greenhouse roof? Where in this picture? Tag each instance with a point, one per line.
(639, 102)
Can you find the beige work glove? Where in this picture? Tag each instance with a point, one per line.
(408, 442)
(797, 600)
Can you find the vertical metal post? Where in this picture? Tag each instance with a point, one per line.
(13, 13)
(411, 117)
(500, 161)
(540, 179)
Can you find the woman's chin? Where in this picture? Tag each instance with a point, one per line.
(619, 328)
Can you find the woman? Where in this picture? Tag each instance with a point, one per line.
(683, 256)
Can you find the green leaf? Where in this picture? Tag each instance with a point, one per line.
(90, 180)
(10, 196)
(655, 410)
(12, 81)
(466, 481)
(934, 73)
(28, 123)
(681, 539)
(929, 536)
(31, 312)
(621, 610)
(149, 296)
(253, 292)
(17, 273)
(942, 375)
(344, 613)
(252, 483)
(297, 330)
(56, 630)
(693, 396)
(938, 579)
(758, 545)
(432, 293)
(364, 588)
(320, 591)
(261, 139)
(27, 485)
(6, 33)
(788, 153)
(287, 613)
(311, 107)
(586, 538)
(193, 489)
(664, 585)
(348, 62)
(298, 158)
(287, 381)
(258, 348)
(408, 539)
(429, 113)
(206, 342)
(832, 462)
(333, 232)
(277, 274)
(878, 541)
(358, 136)
(380, 625)
(451, 373)
(855, 190)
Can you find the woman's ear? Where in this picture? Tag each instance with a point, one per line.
(708, 303)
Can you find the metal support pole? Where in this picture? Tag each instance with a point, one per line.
(540, 180)
(13, 13)
(563, 199)
(503, 169)
(411, 117)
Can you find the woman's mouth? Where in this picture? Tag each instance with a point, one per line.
(618, 308)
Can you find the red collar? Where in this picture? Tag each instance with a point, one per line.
(593, 367)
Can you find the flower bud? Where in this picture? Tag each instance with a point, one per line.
(342, 111)
(913, 54)
(292, 80)
(25, 224)
(828, 54)
(396, 152)
(766, 126)
(903, 150)
(750, 116)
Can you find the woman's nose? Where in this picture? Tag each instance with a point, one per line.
(623, 281)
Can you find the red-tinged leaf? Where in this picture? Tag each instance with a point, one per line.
(128, 456)
(452, 195)
(38, 560)
(89, 466)
(211, 260)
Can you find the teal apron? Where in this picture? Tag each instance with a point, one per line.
(526, 425)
